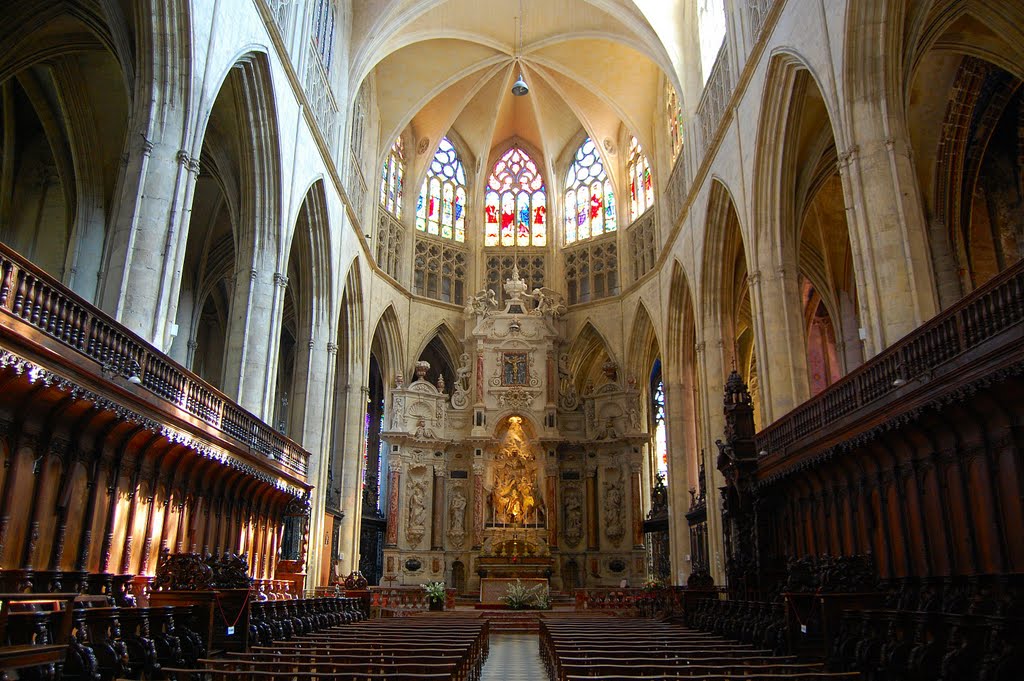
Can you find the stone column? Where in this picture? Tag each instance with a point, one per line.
(710, 361)
(478, 504)
(888, 232)
(315, 432)
(551, 501)
(780, 347)
(593, 543)
(636, 509)
(251, 350)
(395, 477)
(437, 522)
(146, 244)
(683, 451)
(351, 408)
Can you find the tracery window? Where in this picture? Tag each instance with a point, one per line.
(323, 31)
(515, 204)
(711, 30)
(658, 418)
(441, 207)
(589, 199)
(641, 186)
(673, 119)
(391, 179)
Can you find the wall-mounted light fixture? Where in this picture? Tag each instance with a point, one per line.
(903, 376)
(129, 370)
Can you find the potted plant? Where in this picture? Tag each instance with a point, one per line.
(518, 596)
(435, 594)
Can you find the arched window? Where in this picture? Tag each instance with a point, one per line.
(589, 199)
(641, 187)
(323, 31)
(673, 119)
(658, 418)
(711, 30)
(391, 176)
(515, 205)
(441, 207)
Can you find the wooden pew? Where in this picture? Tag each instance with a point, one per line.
(34, 629)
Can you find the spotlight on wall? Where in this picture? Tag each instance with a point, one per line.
(903, 376)
(763, 452)
(132, 370)
(129, 370)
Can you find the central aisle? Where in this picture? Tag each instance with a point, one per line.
(514, 657)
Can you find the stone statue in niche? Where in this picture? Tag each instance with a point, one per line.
(567, 397)
(613, 510)
(460, 395)
(634, 419)
(514, 497)
(398, 413)
(423, 432)
(417, 512)
(457, 517)
(573, 516)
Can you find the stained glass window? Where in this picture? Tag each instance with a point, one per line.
(589, 199)
(441, 207)
(658, 414)
(323, 31)
(674, 119)
(641, 185)
(391, 177)
(515, 204)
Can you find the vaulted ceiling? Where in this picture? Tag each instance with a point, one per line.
(440, 65)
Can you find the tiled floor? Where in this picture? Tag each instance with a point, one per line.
(514, 657)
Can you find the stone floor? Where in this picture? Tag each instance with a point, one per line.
(514, 657)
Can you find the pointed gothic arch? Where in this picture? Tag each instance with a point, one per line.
(587, 353)
(726, 290)
(644, 345)
(442, 348)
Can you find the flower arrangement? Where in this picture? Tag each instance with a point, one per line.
(435, 591)
(653, 585)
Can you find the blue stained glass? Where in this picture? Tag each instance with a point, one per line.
(584, 180)
(445, 177)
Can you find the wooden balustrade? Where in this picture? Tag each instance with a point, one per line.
(35, 298)
(995, 307)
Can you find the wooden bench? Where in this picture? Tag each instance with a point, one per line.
(35, 631)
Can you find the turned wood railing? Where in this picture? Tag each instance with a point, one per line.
(980, 316)
(34, 297)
